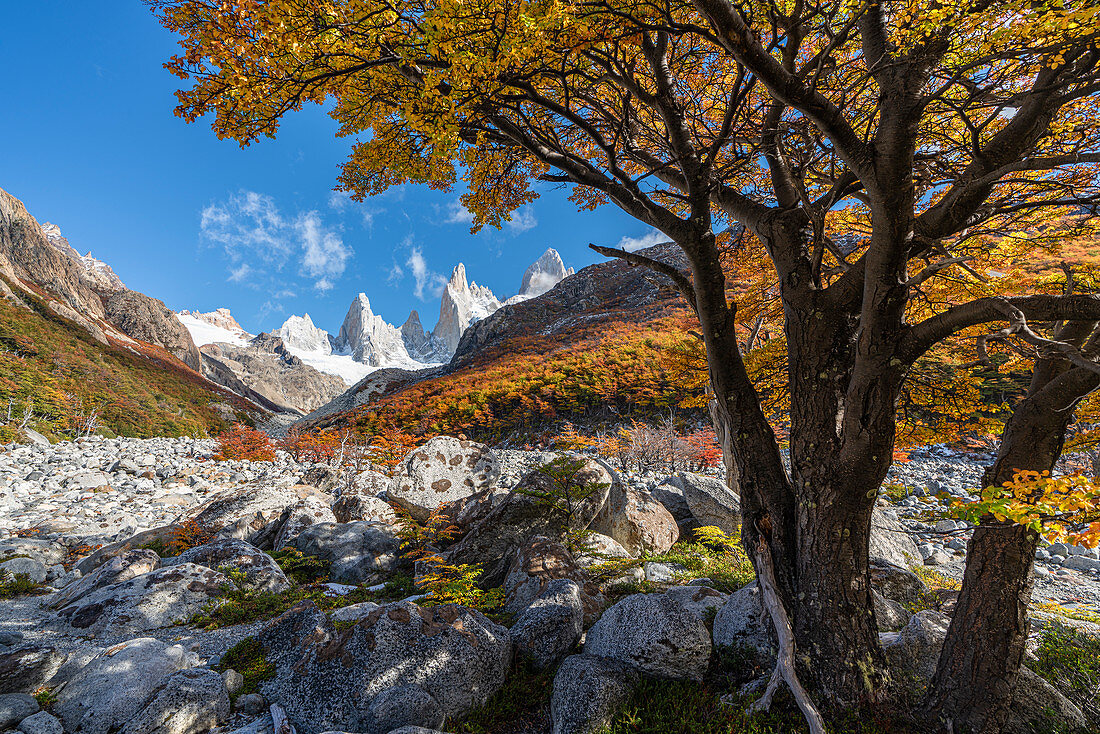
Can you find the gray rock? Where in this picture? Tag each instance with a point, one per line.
(190, 702)
(14, 707)
(250, 703)
(353, 507)
(328, 680)
(28, 668)
(547, 629)
(353, 612)
(588, 690)
(1079, 563)
(128, 565)
(889, 615)
(34, 569)
(662, 573)
(711, 502)
(114, 686)
(233, 680)
(100, 556)
(897, 583)
(654, 633)
(890, 541)
(156, 599)
(299, 516)
(359, 552)
(261, 572)
(41, 723)
(322, 477)
(637, 521)
(533, 567)
(1039, 706)
(407, 705)
(937, 558)
(519, 518)
(670, 493)
(416, 730)
(701, 601)
(742, 627)
(442, 470)
(251, 512)
(45, 551)
(913, 652)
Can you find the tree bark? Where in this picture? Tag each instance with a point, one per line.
(972, 688)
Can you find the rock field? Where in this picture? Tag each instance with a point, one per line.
(93, 523)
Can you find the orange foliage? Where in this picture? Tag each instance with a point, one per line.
(243, 443)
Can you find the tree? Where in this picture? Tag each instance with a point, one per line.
(874, 149)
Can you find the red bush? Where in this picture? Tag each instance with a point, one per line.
(245, 444)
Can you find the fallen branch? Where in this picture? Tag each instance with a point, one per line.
(281, 724)
(784, 663)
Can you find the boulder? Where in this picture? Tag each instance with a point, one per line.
(159, 536)
(442, 470)
(598, 549)
(34, 569)
(261, 572)
(547, 629)
(466, 512)
(1039, 706)
(890, 541)
(190, 702)
(588, 690)
(369, 483)
(519, 518)
(537, 564)
(28, 668)
(407, 705)
(702, 601)
(637, 521)
(251, 512)
(124, 567)
(328, 680)
(354, 507)
(118, 684)
(654, 633)
(711, 502)
(156, 599)
(45, 551)
(670, 493)
(41, 723)
(897, 583)
(14, 707)
(913, 652)
(743, 631)
(359, 552)
(322, 477)
(298, 517)
(889, 615)
(353, 612)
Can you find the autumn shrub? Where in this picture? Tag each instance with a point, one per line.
(186, 535)
(244, 443)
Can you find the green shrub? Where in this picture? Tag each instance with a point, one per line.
(19, 585)
(302, 568)
(247, 658)
(1069, 660)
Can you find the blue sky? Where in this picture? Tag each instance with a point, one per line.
(91, 144)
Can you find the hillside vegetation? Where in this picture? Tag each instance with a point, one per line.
(56, 379)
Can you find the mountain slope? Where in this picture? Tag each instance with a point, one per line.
(594, 348)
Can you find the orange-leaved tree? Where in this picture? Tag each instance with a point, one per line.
(876, 149)
(244, 443)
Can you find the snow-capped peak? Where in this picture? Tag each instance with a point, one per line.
(98, 273)
(541, 276)
(462, 304)
(369, 339)
(215, 327)
(299, 333)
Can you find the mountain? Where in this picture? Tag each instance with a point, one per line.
(461, 304)
(541, 276)
(599, 346)
(80, 352)
(213, 327)
(299, 333)
(421, 345)
(369, 339)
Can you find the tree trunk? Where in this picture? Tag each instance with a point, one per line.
(972, 688)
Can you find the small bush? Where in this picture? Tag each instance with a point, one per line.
(302, 568)
(243, 443)
(1069, 659)
(19, 585)
(521, 705)
(46, 698)
(247, 658)
(714, 555)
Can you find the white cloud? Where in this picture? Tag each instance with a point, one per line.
(427, 281)
(457, 213)
(649, 239)
(339, 200)
(259, 241)
(396, 273)
(522, 220)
